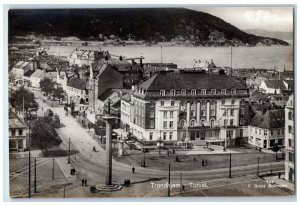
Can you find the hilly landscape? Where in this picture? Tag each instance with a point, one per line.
(150, 25)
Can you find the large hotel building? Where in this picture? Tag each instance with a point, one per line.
(193, 106)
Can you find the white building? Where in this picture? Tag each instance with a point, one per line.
(17, 133)
(272, 86)
(289, 140)
(21, 72)
(267, 128)
(191, 106)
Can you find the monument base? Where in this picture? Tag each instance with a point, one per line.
(108, 188)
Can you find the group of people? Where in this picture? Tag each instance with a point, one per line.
(84, 182)
(204, 162)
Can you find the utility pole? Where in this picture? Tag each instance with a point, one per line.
(53, 170)
(29, 157)
(69, 151)
(35, 175)
(161, 56)
(29, 175)
(231, 60)
(180, 182)
(230, 165)
(144, 164)
(258, 166)
(169, 182)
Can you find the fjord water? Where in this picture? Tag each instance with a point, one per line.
(271, 57)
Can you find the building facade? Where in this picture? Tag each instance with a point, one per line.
(289, 140)
(187, 106)
(267, 129)
(17, 133)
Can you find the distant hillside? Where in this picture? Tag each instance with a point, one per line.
(152, 25)
(272, 34)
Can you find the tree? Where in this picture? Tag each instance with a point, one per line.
(23, 98)
(43, 135)
(58, 93)
(276, 149)
(47, 85)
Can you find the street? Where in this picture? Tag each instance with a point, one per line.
(91, 165)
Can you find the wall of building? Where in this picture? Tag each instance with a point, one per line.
(265, 138)
(289, 141)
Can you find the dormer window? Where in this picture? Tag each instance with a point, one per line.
(193, 91)
(223, 91)
(213, 91)
(233, 91)
(162, 92)
(183, 92)
(172, 92)
(203, 91)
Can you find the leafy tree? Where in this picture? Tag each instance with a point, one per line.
(43, 135)
(22, 97)
(47, 85)
(58, 93)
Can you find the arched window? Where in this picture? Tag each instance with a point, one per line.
(182, 123)
(213, 91)
(172, 92)
(223, 91)
(212, 123)
(192, 123)
(162, 92)
(202, 122)
(233, 91)
(203, 91)
(193, 91)
(183, 92)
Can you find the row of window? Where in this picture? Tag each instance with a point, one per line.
(13, 132)
(273, 132)
(165, 125)
(192, 122)
(165, 135)
(166, 114)
(162, 103)
(82, 92)
(226, 122)
(173, 92)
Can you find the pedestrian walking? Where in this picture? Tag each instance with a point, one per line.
(82, 182)
(133, 169)
(85, 182)
(182, 187)
(194, 159)
(202, 162)
(205, 161)
(279, 174)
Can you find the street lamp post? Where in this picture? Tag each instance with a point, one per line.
(35, 175)
(230, 165)
(258, 166)
(169, 181)
(69, 151)
(29, 162)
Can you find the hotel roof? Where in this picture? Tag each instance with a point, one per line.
(189, 81)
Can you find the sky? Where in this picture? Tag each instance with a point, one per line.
(267, 18)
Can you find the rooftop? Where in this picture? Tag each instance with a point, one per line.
(190, 80)
(14, 121)
(269, 120)
(21, 64)
(77, 83)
